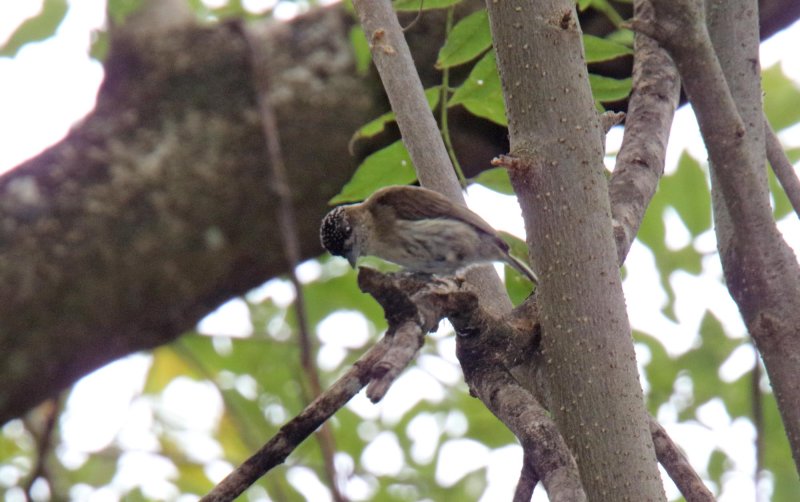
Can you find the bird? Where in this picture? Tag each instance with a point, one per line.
(418, 229)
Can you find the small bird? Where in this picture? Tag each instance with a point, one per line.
(416, 228)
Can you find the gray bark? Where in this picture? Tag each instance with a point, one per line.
(556, 168)
(157, 207)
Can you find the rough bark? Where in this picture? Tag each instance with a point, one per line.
(158, 207)
(556, 168)
(719, 67)
(760, 268)
(640, 162)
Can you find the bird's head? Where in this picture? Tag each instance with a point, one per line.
(337, 236)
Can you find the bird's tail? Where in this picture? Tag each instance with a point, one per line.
(523, 268)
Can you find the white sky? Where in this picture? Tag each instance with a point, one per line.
(50, 85)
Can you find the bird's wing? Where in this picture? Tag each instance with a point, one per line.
(417, 203)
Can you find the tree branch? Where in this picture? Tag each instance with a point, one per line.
(527, 479)
(494, 385)
(376, 369)
(761, 270)
(482, 349)
(677, 466)
(485, 346)
(555, 166)
(42, 424)
(421, 135)
(639, 167)
(782, 168)
(640, 162)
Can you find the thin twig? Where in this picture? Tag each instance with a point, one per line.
(392, 58)
(291, 245)
(409, 338)
(376, 368)
(782, 168)
(757, 402)
(527, 479)
(678, 467)
(443, 119)
(49, 410)
(413, 308)
(275, 451)
(416, 18)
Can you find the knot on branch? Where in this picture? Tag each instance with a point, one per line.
(413, 305)
(421, 298)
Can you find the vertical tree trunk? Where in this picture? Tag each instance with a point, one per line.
(557, 171)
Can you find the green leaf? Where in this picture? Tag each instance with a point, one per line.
(781, 201)
(98, 469)
(703, 364)
(599, 49)
(99, 48)
(781, 96)
(718, 464)
(167, 365)
(388, 166)
(192, 479)
(777, 454)
(517, 285)
(417, 5)
(325, 297)
(360, 50)
(481, 93)
(37, 28)
(495, 179)
(605, 7)
(468, 39)
(119, 10)
(661, 372)
(231, 9)
(377, 126)
(687, 191)
(235, 446)
(607, 89)
(622, 36)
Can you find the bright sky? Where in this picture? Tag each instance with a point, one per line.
(51, 85)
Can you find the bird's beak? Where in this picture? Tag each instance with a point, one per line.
(351, 258)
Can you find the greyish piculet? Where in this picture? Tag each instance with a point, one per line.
(418, 229)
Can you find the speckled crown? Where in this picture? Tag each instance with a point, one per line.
(334, 231)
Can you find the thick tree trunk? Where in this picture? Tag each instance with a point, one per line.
(158, 206)
(556, 167)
